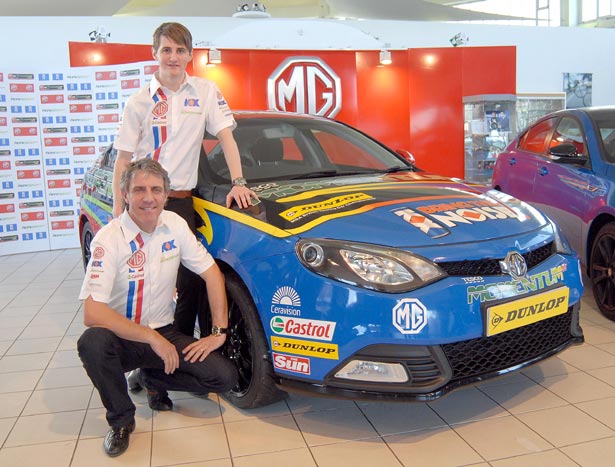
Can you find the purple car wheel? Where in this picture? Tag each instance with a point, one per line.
(602, 270)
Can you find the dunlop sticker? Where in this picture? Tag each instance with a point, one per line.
(332, 204)
(301, 347)
(518, 313)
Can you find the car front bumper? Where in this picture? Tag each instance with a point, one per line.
(437, 369)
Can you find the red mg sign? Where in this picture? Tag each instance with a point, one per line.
(305, 85)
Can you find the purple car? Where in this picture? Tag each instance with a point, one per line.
(564, 164)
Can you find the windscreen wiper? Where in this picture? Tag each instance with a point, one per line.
(321, 173)
(398, 168)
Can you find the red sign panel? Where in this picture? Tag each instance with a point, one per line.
(25, 131)
(52, 98)
(26, 174)
(59, 183)
(62, 225)
(32, 216)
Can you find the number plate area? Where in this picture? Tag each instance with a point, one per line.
(527, 310)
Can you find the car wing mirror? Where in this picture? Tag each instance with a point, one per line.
(567, 153)
(407, 155)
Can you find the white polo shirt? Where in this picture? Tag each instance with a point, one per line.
(135, 273)
(176, 127)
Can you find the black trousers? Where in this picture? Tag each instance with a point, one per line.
(106, 357)
(191, 291)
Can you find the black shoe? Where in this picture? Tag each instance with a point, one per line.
(134, 381)
(117, 439)
(159, 400)
(201, 395)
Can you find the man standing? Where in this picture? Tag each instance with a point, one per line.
(128, 306)
(166, 121)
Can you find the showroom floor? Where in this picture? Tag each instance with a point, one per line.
(558, 413)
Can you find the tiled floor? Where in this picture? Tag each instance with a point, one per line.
(558, 413)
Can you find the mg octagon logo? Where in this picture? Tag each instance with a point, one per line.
(305, 85)
(409, 316)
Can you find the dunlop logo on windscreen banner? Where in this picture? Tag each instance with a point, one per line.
(336, 203)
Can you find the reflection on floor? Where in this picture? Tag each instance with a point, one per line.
(560, 412)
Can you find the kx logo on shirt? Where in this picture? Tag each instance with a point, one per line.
(191, 103)
(168, 245)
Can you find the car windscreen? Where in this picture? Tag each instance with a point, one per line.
(292, 148)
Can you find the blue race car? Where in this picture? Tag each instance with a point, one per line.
(358, 275)
(564, 164)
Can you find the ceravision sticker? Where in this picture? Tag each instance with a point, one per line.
(409, 316)
(286, 301)
(301, 347)
(435, 220)
(291, 363)
(298, 327)
(533, 283)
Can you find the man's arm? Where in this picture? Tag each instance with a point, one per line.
(241, 194)
(99, 314)
(216, 294)
(121, 162)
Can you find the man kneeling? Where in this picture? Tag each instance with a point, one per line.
(128, 297)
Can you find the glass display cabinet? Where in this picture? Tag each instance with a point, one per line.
(491, 121)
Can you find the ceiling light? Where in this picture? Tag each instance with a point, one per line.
(256, 10)
(99, 34)
(385, 57)
(458, 39)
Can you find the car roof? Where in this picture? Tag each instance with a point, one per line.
(241, 114)
(599, 111)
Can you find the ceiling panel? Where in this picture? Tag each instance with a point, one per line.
(418, 10)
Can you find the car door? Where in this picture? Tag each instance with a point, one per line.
(560, 188)
(102, 188)
(516, 169)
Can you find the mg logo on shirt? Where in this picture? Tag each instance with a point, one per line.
(305, 85)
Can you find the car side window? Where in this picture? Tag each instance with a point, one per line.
(535, 139)
(570, 131)
(109, 157)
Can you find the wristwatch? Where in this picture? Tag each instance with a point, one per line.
(239, 181)
(218, 331)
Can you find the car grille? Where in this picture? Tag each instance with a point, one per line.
(491, 267)
(423, 371)
(488, 354)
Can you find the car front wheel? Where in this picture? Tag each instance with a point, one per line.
(602, 270)
(246, 346)
(87, 234)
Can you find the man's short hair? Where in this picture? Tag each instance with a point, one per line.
(177, 32)
(147, 165)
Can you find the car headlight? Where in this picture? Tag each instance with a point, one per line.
(561, 243)
(369, 266)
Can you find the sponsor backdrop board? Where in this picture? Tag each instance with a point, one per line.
(53, 125)
(409, 105)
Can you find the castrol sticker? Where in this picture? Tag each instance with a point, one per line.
(299, 327)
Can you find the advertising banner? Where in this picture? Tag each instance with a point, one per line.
(53, 126)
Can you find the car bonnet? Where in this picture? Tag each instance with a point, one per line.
(401, 210)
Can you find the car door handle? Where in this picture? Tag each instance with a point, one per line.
(512, 161)
(543, 171)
